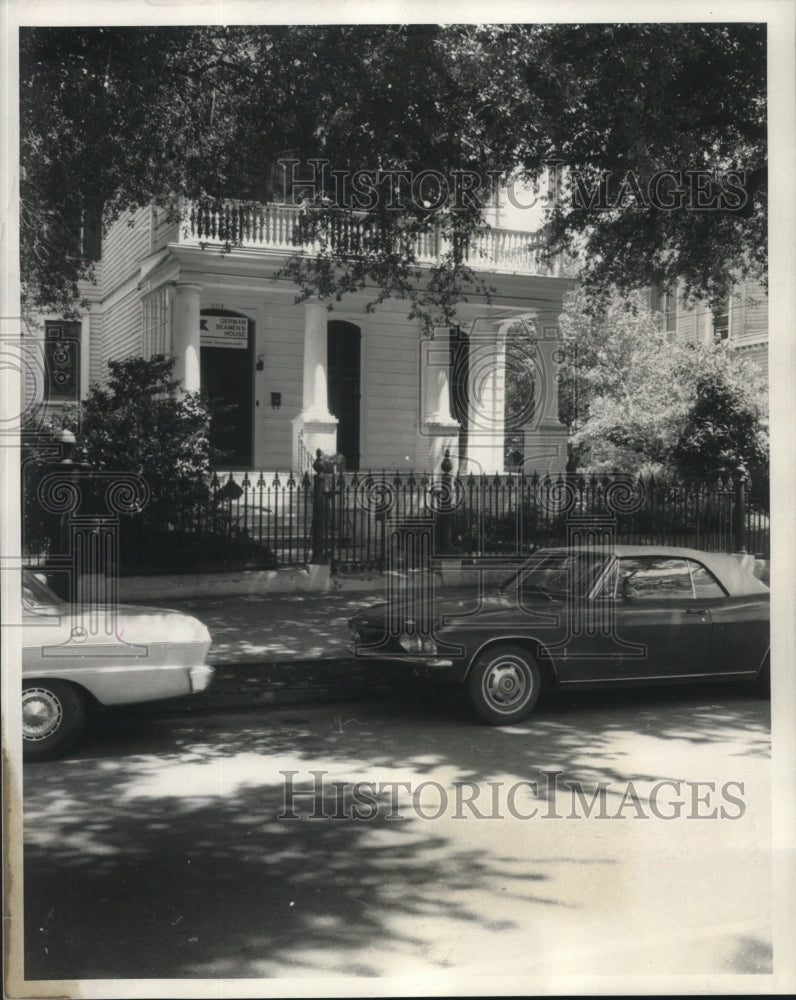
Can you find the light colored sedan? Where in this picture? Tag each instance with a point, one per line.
(76, 658)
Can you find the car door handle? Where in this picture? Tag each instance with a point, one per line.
(696, 611)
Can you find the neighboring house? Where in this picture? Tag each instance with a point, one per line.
(294, 378)
(741, 320)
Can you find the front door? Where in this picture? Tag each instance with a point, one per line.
(227, 383)
(344, 341)
(460, 384)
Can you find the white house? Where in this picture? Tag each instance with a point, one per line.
(741, 319)
(298, 377)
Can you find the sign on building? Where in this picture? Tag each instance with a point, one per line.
(224, 331)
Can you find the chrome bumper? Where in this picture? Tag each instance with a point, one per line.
(200, 677)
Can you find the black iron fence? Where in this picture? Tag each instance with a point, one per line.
(267, 521)
(511, 515)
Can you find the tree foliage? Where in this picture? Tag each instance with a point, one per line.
(109, 119)
(138, 423)
(633, 100)
(724, 431)
(696, 410)
(113, 118)
(616, 381)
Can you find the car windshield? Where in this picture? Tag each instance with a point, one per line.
(557, 571)
(37, 596)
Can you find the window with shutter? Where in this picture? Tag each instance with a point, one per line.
(62, 355)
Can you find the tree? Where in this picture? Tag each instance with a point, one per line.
(616, 382)
(138, 423)
(625, 382)
(110, 118)
(645, 116)
(725, 429)
(113, 118)
(134, 423)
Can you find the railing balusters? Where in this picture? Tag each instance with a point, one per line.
(276, 227)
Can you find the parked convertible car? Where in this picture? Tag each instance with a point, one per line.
(75, 658)
(580, 617)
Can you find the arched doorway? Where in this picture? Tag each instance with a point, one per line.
(344, 354)
(227, 380)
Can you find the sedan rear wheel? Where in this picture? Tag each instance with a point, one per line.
(53, 716)
(504, 685)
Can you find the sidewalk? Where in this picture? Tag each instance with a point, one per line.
(281, 648)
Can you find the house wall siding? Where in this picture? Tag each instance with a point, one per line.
(390, 386)
(389, 383)
(750, 313)
(279, 338)
(759, 355)
(123, 247)
(121, 329)
(96, 363)
(162, 232)
(748, 327)
(687, 320)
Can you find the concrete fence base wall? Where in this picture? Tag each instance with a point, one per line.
(318, 579)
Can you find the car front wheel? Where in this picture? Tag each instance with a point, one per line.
(53, 716)
(504, 685)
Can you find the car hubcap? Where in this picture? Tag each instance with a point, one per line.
(41, 714)
(506, 686)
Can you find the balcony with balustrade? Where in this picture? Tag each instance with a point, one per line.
(286, 229)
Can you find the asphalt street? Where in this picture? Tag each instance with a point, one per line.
(619, 833)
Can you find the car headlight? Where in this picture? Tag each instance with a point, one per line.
(418, 644)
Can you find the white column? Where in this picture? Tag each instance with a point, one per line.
(486, 424)
(315, 397)
(435, 374)
(185, 343)
(548, 345)
(316, 425)
(437, 387)
(546, 437)
(439, 430)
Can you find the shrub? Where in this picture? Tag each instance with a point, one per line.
(139, 423)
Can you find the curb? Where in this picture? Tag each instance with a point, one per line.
(290, 682)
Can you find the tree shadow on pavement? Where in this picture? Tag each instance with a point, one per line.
(157, 849)
(287, 626)
(136, 879)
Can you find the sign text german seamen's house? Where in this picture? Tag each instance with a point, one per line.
(224, 331)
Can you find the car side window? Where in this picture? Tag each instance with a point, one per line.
(705, 583)
(655, 579)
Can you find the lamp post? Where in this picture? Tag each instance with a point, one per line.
(68, 471)
(319, 526)
(446, 506)
(741, 478)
